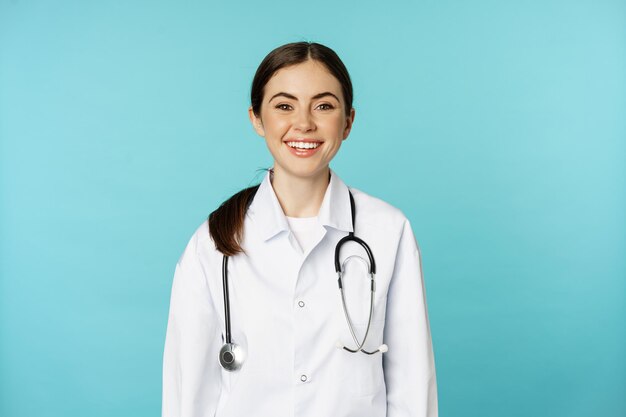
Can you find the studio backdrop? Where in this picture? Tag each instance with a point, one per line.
(498, 128)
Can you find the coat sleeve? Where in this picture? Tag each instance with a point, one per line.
(191, 372)
(409, 364)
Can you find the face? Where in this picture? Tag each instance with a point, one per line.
(303, 119)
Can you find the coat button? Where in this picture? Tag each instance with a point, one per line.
(303, 378)
(301, 303)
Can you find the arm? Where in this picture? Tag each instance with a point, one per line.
(409, 364)
(191, 373)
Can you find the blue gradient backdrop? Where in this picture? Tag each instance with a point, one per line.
(497, 127)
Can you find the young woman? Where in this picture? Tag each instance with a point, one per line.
(300, 296)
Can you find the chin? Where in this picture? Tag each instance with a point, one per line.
(309, 172)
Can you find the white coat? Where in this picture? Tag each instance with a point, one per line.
(287, 315)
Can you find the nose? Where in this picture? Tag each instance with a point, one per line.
(304, 120)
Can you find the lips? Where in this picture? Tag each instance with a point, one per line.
(307, 150)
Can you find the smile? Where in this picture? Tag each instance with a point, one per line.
(303, 149)
(304, 145)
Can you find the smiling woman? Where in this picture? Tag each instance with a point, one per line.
(303, 117)
(294, 333)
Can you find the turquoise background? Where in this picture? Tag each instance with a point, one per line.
(499, 128)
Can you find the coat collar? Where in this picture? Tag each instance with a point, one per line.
(269, 218)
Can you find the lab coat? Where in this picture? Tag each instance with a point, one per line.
(287, 315)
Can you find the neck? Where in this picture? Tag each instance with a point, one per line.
(300, 196)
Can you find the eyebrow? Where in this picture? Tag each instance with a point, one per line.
(291, 96)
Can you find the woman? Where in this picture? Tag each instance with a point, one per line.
(258, 325)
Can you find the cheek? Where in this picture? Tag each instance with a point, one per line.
(339, 123)
(275, 125)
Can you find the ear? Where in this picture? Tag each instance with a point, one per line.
(349, 121)
(257, 124)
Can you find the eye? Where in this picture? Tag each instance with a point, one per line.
(283, 106)
(326, 106)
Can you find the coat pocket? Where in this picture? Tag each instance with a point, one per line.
(363, 374)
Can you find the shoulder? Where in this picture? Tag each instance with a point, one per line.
(381, 219)
(200, 245)
(377, 212)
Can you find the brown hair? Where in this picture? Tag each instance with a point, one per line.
(226, 222)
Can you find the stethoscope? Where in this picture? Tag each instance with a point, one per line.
(232, 355)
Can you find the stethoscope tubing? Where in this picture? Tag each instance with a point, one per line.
(226, 298)
(350, 325)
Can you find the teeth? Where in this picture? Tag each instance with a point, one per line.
(303, 145)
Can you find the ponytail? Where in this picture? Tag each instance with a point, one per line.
(226, 222)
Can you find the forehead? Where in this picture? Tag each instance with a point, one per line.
(306, 79)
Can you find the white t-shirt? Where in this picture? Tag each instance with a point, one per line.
(305, 230)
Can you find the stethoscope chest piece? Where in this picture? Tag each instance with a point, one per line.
(231, 356)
